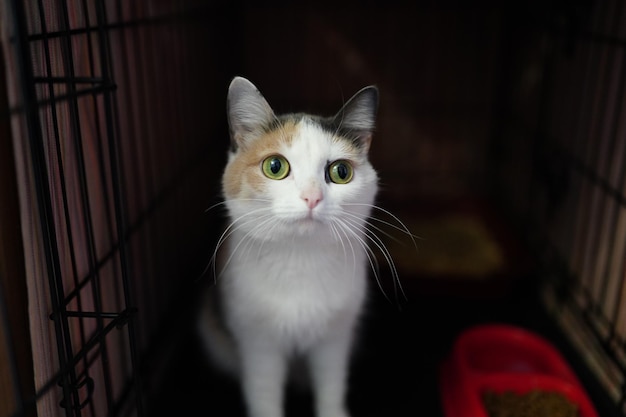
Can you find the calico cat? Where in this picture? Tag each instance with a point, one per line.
(292, 278)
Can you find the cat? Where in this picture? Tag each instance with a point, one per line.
(292, 279)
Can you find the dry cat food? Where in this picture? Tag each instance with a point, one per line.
(532, 404)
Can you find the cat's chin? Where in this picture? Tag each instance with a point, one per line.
(306, 226)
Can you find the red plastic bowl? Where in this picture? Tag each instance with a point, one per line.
(503, 358)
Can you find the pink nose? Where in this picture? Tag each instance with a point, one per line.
(312, 197)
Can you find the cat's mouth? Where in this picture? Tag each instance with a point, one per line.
(309, 218)
(304, 221)
(308, 221)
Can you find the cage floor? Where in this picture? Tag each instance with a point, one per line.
(395, 363)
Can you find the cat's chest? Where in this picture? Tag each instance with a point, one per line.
(300, 272)
(283, 262)
(295, 289)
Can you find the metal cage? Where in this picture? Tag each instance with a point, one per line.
(111, 143)
(580, 188)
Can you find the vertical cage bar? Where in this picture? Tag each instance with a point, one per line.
(67, 402)
(43, 198)
(86, 219)
(118, 195)
(611, 289)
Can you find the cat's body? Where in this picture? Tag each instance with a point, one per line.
(292, 277)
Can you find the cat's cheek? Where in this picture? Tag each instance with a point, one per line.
(248, 184)
(256, 184)
(232, 181)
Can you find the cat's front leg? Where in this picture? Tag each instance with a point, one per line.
(263, 370)
(329, 367)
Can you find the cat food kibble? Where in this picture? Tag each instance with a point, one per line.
(532, 404)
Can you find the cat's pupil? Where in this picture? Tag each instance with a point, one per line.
(275, 166)
(342, 171)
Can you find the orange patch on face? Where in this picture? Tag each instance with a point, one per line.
(243, 177)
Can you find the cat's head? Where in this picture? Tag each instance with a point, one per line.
(298, 173)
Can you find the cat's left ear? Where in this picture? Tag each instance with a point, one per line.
(248, 112)
(358, 116)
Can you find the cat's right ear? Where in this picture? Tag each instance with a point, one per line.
(248, 112)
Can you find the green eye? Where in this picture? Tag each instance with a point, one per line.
(340, 172)
(275, 167)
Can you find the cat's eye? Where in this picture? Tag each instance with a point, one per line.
(275, 167)
(340, 172)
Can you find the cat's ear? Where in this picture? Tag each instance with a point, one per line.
(358, 116)
(248, 112)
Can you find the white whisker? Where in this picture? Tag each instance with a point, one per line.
(402, 227)
(267, 225)
(369, 224)
(380, 245)
(230, 229)
(349, 243)
(224, 203)
(337, 236)
(368, 252)
(267, 218)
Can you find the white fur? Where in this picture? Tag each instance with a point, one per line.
(294, 280)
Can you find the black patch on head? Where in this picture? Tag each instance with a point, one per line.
(331, 125)
(283, 119)
(335, 128)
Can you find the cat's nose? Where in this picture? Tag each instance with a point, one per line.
(312, 197)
